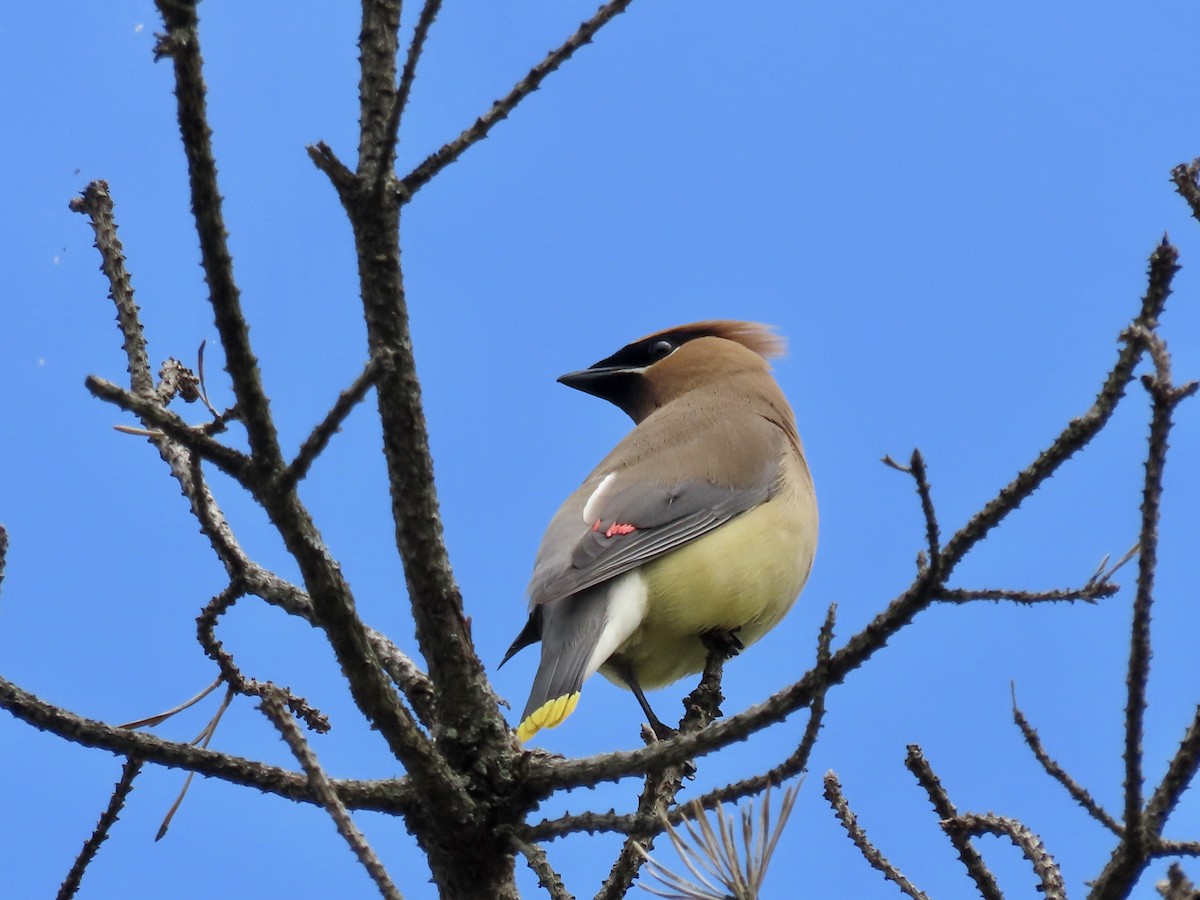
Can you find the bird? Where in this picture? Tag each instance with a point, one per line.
(702, 520)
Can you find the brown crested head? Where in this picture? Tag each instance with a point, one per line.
(654, 369)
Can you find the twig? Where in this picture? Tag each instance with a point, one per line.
(548, 878)
(916, 763)
(3, 552)
(1186, 177)
(833, 793)
(1139, 650)
(393, 796)
(182, 44)
(1141, 832)
(319, 439)
(1177, 886)
(971, 825)
(273, 706)
(1177, 848)
(429, 12)
(663, 785)
(206, 624)
(1180, 772)
(1087, 593)
(916, 468)
(108, 819)
(230, 461)
(97, 204)
(1163, 266)
(1055, 771)
(422, 174)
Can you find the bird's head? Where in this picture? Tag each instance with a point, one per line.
(656, 369)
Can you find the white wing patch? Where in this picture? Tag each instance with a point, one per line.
(593, 502)
(624, 613)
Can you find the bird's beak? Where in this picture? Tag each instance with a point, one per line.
(590, 381)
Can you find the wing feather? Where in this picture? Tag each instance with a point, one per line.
(665, 513)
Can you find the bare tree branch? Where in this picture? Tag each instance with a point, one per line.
(230, 461)
(96, 203)
(549, 879)
(395, 796)
(1177, 848)
(1177, 885)
(1163, 266)
(206, 633)
(1141, 834)
(841, 808)
(1179, 775)
(182, 44)
(314, 445)
(796, 763)
(916, 763)
(1087, 593)
(662, 786)
(422, 174)
(3, 552)
(1050, 881)
(1055, 771)
(108, 819)
(273, 705)
(378, 43)
(429, 11)
(1186, 177)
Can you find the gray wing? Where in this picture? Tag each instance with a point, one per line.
(663, 514)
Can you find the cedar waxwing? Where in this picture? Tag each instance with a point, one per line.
(703, 519)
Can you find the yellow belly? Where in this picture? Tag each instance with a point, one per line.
(744, 575)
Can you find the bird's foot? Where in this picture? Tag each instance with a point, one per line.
(722, 641)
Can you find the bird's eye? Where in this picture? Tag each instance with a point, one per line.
(660, 349)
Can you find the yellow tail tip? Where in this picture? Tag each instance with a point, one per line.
(548, 715)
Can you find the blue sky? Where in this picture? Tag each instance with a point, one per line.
(947, 209)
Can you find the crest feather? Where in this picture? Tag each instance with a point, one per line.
(755, 336)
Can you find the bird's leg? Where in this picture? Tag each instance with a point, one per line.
(625, 672)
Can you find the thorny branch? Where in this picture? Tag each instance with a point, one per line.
(1059, 774)
(206, 632)
(916, 763)
(634, 824)
(315, 444)
(539, 864)
(1050, 879)
(1186, 177)
(333, 603)
(395, 795)
(663, 785)
(1141, 834)
(424, 173)
(879, 862)
(273, 703)
(108, 819)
